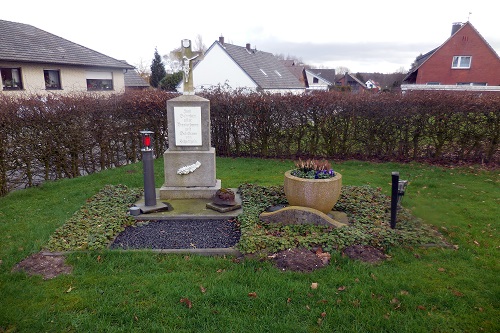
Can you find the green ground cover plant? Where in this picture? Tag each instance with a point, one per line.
(419, 289)
(366, 207)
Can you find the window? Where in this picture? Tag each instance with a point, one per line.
(11, 78)
(472, 84)
(433, 83)
(99, 81)
(52, 79)
(461, 62)
(315, 80)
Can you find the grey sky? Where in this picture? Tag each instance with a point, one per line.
(363, 35)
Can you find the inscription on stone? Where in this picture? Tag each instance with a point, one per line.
(187, 126)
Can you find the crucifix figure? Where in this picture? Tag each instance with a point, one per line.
(187, 66)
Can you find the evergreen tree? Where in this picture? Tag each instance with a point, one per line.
(158, 71)
(170, 81)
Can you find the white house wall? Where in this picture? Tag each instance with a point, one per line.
(218, 69)
(73, 79)
(321, 85)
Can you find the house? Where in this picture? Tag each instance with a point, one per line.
(133, 81)
(382, 81)
(348, 80)
(372, 85)
(35, 61)
(465, 61)
(243, 67)
(320, 79)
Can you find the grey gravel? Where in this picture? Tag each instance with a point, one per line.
(179, 234)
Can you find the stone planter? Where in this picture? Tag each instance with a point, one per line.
(320, 194)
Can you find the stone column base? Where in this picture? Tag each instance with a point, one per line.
(191, 192)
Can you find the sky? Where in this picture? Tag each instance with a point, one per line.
(362, 35)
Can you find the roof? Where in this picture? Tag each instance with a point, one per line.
(353, 77)
(327, 75)
(25, 43)
(296, 70)
(266, 70)
(133, 79)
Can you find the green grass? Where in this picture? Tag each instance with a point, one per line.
(417, 290)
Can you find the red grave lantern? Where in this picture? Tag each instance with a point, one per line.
(146, 140)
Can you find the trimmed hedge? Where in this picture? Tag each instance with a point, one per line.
(52, 137)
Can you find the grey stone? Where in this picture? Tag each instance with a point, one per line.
(192, 192)
(189, 101)
(203, 176)
(299, 215)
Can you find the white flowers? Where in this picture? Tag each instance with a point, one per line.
(188, 168)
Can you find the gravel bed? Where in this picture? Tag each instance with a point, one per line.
(179, 234)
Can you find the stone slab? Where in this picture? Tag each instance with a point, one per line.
(183, 105)
(204, 175)
(189, 209)
(299, 215)
(221, 208)
(159, 207)
(339, 216)
(193, 192)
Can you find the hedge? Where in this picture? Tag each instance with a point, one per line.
(51, 137)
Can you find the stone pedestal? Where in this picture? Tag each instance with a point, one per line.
(188, 118)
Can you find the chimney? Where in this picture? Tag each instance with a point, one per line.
(221, 40)
(248, 47)
(455, 27)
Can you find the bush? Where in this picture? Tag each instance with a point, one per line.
(52, 137)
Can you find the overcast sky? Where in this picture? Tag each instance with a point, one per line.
(362, 35)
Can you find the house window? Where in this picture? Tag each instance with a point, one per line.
(11, 78)
(461, 62)
(52, 79)
(315, 80)
(99, 81)
(472, 84)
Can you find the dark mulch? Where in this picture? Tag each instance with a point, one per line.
(365, 253)
(304, 260)
(179, 234)
(299, 260)
(49, 266)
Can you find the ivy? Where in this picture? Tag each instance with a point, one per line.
(367, 209)
(98, 221)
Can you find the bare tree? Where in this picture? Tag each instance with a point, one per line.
(401, 70)
(143, 69)
(342, 70)
(199, 46)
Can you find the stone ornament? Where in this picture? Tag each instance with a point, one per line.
(188, 168)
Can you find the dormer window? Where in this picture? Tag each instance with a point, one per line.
(461, 62)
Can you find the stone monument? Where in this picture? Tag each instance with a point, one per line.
(189, 161)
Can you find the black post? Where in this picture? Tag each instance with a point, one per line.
(148, 169)
(394, 198)
(149, 180)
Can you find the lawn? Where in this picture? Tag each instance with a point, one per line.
(426, 289)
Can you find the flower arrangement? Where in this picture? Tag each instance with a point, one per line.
(313, 169)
